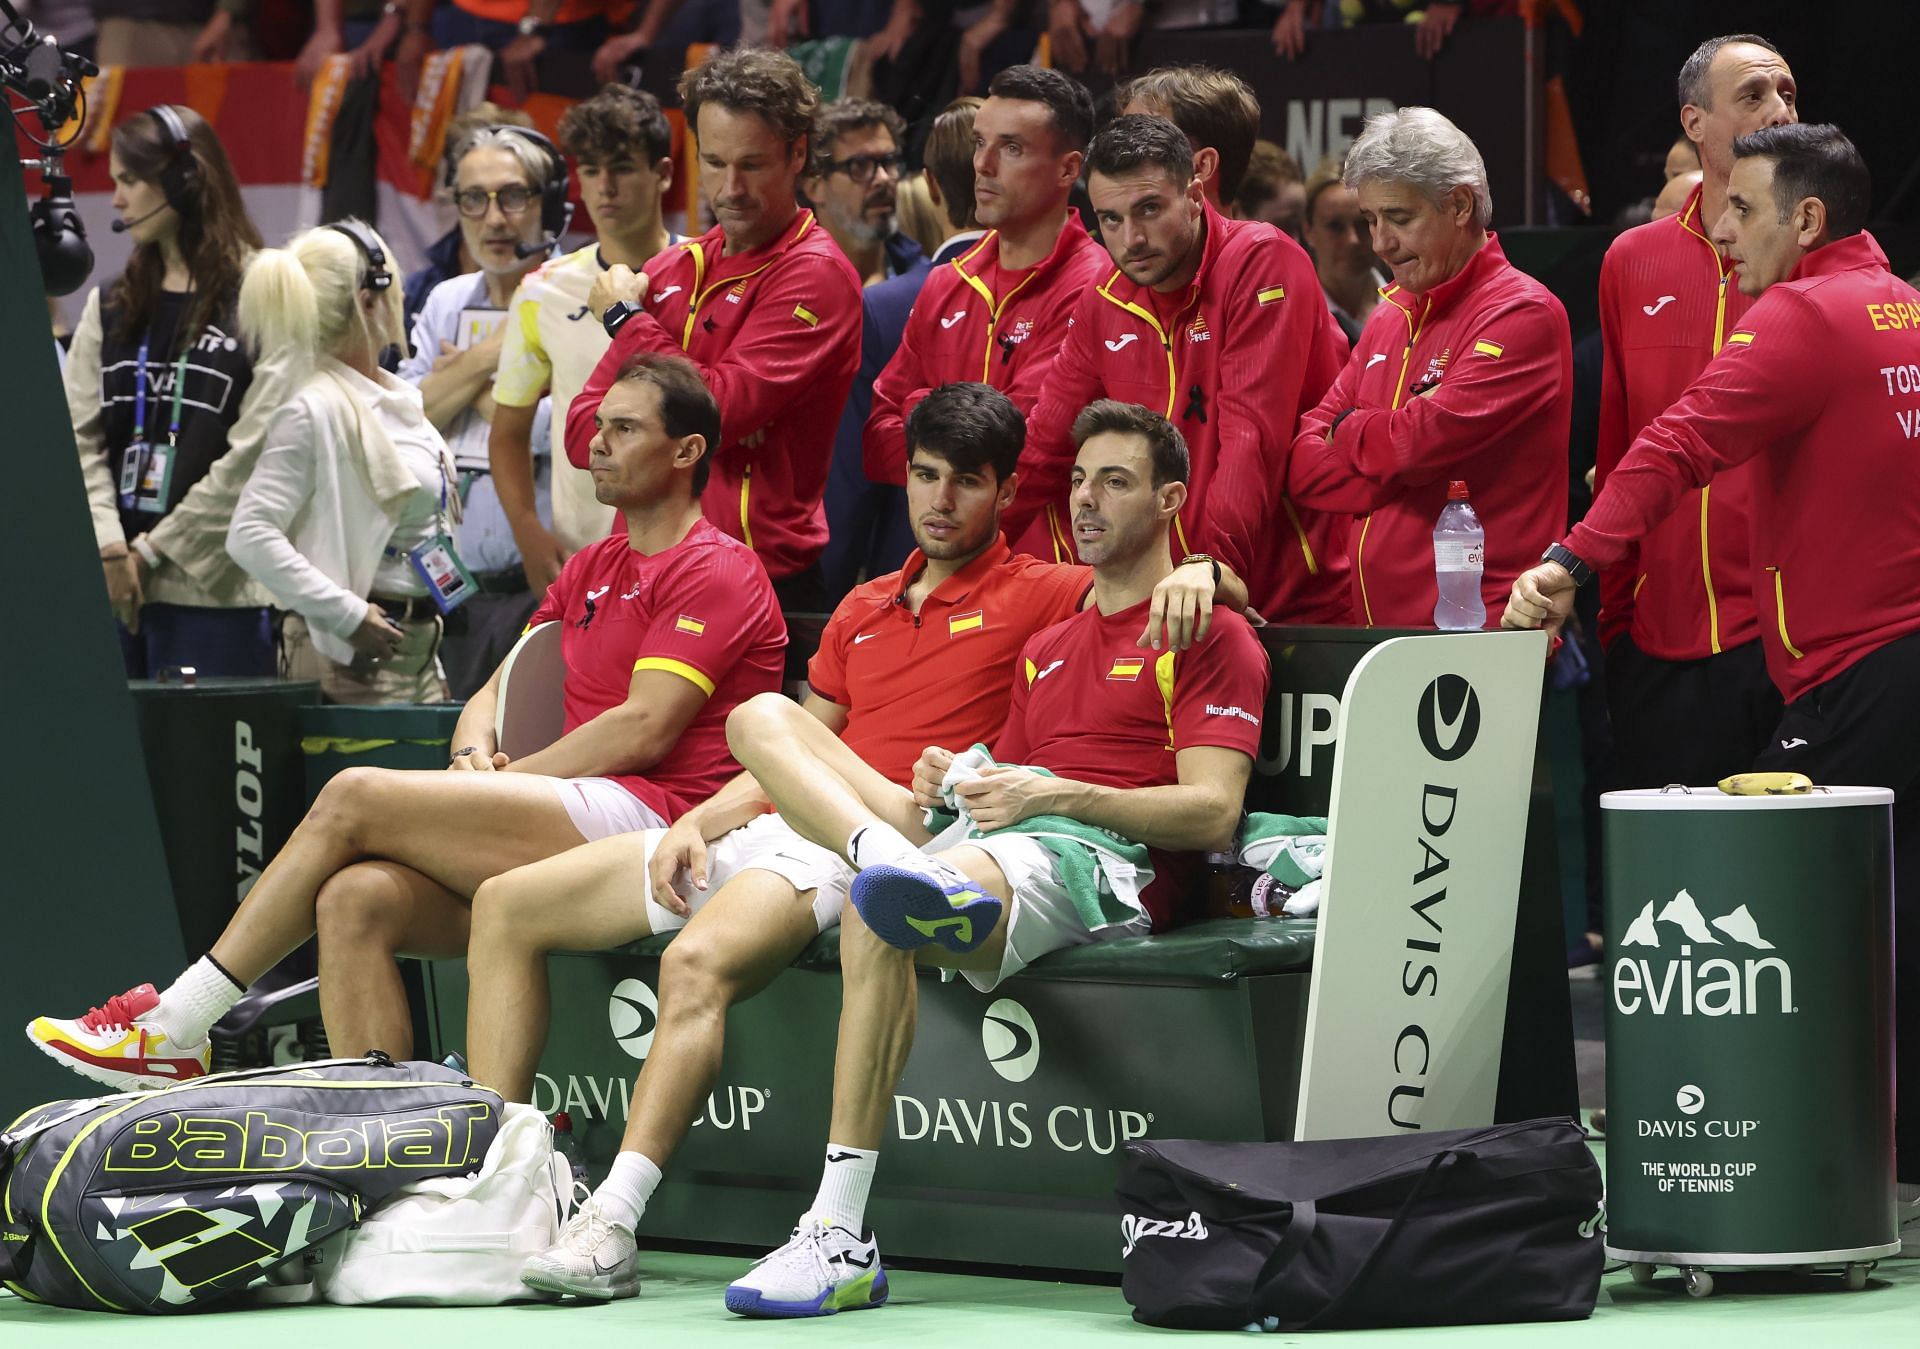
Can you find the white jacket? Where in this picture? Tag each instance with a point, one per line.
(325, 496)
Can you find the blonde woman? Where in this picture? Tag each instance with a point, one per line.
(348, 516)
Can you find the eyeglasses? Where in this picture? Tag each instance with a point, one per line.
(474, 202)
(861, 168)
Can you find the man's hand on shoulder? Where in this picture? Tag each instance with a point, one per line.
(1182, 608)
(618, 283)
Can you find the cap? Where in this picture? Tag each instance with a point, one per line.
(1456, 490)
(562, 1123)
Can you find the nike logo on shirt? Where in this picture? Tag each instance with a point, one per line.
(953, 318)
(865, 637)
(1120, 343)
(1651, 309)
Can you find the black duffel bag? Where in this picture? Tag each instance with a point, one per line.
(1420, 1229)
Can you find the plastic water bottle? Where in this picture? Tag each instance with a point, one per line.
(567, 1144)
(1459, 558)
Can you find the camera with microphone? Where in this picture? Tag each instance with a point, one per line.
(49, 77)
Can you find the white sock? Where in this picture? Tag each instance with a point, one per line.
(875, 842)
(844, 1184)
(623, 1195)
(192, 1003)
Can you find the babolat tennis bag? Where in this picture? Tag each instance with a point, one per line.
(170, 1200)
(1420, 1229)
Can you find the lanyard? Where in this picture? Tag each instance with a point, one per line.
(140, 395)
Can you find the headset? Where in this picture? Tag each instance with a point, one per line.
(556, 212)
(375, 277)
(179, 175)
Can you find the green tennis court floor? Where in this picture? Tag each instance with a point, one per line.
(680, 1305)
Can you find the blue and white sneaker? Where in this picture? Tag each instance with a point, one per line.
(823, 1269)
(909, 906)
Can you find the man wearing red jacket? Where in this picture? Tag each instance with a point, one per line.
(996, 314)
(765, 305)
(1201, 320)
(1464, 371)
(1820, 388)
(1687, 685)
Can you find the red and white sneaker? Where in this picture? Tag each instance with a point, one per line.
(119, 1045)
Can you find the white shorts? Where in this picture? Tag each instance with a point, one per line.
(601, 808)
(767, 844)
(1042, 917)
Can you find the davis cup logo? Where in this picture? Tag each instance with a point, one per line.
(1011, 1040)
(633, 1013)
(1449, 718)
(1690, 1100)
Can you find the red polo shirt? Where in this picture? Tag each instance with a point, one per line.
(775, 332)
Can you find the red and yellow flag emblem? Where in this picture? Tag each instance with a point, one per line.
(693, 627)
(967, 622)
(1126, 667)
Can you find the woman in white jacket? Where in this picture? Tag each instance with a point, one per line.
(349, 507)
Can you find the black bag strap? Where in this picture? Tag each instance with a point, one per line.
(1306, 1217)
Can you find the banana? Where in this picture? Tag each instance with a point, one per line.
(1766, 784)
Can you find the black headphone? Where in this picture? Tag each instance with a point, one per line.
(375, 277)
(555, 212)
(179, 176)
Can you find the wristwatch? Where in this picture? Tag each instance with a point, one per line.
(530, 25)
(616, 314)
(1210, 561)
(1578, 570)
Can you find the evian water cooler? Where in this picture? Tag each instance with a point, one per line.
(1749, 1031)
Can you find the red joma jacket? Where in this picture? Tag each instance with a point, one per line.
(1820, 389)
(1472, 380)
(1232, 362)
(1667, 303)
(775, 333)
(961, 330)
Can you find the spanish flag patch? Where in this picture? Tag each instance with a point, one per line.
(1493, 349)
(1269, 294)
(690, 625)
(1126, 667)
(968, 622)
(1740, 339)
(806, 316)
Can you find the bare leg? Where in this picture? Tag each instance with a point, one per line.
(455, 829)
(365, 915)
(879, 1007)
(734, 947)
(820, 787)
(588, 898)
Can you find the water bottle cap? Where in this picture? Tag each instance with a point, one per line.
(563, 1123)
(1456, 490)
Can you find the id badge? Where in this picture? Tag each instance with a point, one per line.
(132, 469)
(443, 573)
(155, 481)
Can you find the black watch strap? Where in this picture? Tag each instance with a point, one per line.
(617, 314)
(1565, 556)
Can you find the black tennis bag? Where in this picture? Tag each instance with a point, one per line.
(170, 1200)
(1420, 1229)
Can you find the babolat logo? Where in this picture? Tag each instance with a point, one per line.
(1706, 985)
(440, 1139)
(1011, 1040)
(1134, 1229)
(634, 1014)
(1449, 718)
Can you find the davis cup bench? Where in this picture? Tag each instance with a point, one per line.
(1003, 1141)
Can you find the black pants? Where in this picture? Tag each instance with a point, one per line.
(1862, 729)
(479, 635)
(1691, 722)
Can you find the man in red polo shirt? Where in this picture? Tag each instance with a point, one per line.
(997, 313)
(764, 304)
(1465, 371)
(668, 626)
(1819, 389)
(1147, 755)
(919, 657)
(1206, 321)
(1687, 684)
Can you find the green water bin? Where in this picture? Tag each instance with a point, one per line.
(402, 735)
(1749, 1031)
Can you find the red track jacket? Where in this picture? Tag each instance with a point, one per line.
(960, 330)
(1472, 380)
(1232, 363)
(1820, 388)
(1667, 302)
(776, 335)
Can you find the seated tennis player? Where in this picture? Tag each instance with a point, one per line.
(667, 628)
